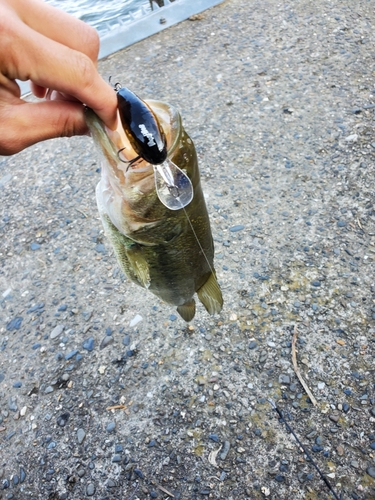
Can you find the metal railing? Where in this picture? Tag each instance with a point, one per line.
(136, 26)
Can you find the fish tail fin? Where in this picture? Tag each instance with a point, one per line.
(210, 295)
(187, 310)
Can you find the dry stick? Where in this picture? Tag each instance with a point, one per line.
(282, 419)
(296, 369)
(165, 491)
(134, 492)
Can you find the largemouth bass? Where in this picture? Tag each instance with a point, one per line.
(169, 252)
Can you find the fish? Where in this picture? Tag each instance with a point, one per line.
(161, 243)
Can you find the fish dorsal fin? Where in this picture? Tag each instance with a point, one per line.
(187, 310)
(139, 265)
(210, 295)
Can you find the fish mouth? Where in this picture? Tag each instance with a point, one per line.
(127, 191)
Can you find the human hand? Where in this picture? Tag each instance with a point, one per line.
(58, 54)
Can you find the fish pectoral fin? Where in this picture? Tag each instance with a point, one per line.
(210, 295)
(187, 310)
(139, 265)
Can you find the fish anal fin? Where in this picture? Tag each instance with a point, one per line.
(187, 310)
(210, 295)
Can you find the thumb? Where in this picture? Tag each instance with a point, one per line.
(25, 123)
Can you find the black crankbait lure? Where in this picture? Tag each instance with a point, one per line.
(141, 127)
(148, 140)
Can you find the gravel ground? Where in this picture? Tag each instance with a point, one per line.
(280, 101)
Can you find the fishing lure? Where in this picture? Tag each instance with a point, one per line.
(146, 136)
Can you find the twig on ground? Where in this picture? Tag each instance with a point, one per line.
(165, 491)
(116, 407)
(296, 369)
(134, 492)
(323, 477)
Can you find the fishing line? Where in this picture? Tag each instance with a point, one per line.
(175, 191)
(196, 237)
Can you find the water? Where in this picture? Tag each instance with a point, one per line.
(101, 14)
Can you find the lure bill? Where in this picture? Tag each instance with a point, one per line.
(152, 206)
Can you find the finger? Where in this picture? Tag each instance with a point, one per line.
(37, 90)
(50, 64)
(29, 123)
(59, 26)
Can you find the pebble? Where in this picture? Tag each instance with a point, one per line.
(88, 344)
(62, 419)
(81, 434)
(106, 342)
(71, 354)
(284, 379)
(90, 489)
(22, 475)
(334, 417)
(57, 331)
(225, 450)
(111, 427)
(371, 471)
(137, 319)
(340, 450)
(12, 404)
(234, 229)
(14, 324)
(139, 473)
(253, 344)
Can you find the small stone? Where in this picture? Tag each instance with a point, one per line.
(253, 344)
(102, 369)
(111, 427)
(334, 417)
(90, 489)
(12, 404)
(56, 331)
(214, 437)
(225, 450)
(371, 471)
(81, 434)
(354, 464)
(23, 411)
(340, 450)
(137, 319)
(106, 341)
(284, 379)
(62, 419)
(48, 389)
(14, 324)
(345, 407)
(88, 344)
(234, 229)
(139, 473)
(22, 475)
